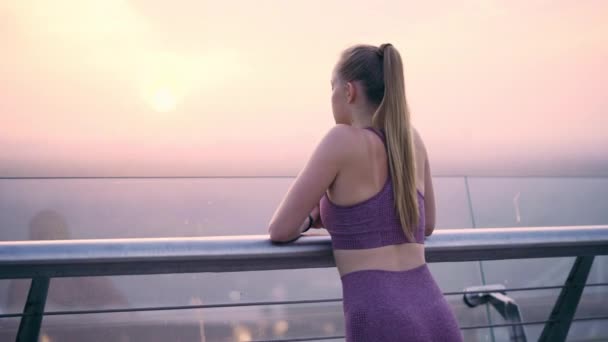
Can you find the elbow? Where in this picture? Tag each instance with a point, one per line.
(429, 222)
(281, 238)
(428, 229)
(277, 235)
(274, 235)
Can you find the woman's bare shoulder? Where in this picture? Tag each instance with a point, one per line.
(418, 141)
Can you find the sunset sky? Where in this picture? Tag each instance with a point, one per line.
(164, 88)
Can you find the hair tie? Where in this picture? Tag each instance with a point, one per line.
(383, 47)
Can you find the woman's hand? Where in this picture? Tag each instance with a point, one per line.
(316, 214)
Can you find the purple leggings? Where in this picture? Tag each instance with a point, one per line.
(382, 305)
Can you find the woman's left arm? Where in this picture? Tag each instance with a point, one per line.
(310, 185)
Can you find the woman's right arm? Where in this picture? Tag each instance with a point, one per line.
(429, 199)
(429, 193)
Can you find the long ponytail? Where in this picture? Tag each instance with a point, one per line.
(381, 71)
(394, 116)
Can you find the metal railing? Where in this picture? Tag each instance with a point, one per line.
(43, 260)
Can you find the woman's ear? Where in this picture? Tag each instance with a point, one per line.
(351, 92)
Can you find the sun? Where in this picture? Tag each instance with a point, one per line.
(163, 78)
(163, 100)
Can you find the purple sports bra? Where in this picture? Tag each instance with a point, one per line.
(371, 223)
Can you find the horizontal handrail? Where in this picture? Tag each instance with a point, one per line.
(43, 260)
(67, 258)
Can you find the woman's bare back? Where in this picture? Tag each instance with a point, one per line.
(363, 179)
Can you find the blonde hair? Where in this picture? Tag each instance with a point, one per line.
(380, 71)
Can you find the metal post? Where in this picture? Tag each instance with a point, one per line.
(29, 327)
(506, 306)
(561, 316)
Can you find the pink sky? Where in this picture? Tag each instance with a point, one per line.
(117, 87)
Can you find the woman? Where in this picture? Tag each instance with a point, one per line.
(369, 184)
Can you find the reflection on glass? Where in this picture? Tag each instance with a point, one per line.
(65, 292)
